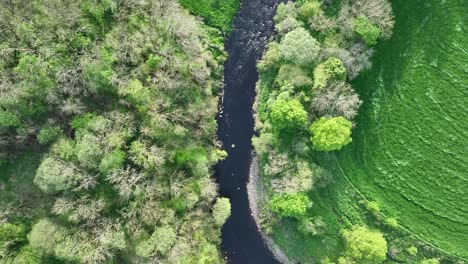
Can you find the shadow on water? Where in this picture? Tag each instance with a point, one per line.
(242, 242)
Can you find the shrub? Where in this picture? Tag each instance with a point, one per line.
(430, 261)
(221, 211)
(291, 205)
(331, 133)
(366, 30)
(8, 119)
(288, 114)
(48, 134)
(391, 222)
(413, 251)
(299, 47)
(364, 246)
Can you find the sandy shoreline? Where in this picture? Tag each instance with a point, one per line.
(254, 193)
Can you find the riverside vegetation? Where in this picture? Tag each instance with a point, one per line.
(107, 132)
(305, 113)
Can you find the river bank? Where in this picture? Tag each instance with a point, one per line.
(256, 195)
(253, 27)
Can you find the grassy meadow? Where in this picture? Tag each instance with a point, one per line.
(409, 150)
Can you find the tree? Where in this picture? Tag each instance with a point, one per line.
(364, 246)
(338, 99)
(54, 175)
(288, 114)
(284, 11)
(366, 30)
(293, 75)
(221, 211)
(160, 242)
(290, 205)
(271, 58)
(48, 134)
(299, 47)
(43, 236)
(27, 255)
(331, 69)
(309, 9)
(111, 161)
(331, 133)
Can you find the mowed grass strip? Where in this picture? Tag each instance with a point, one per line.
(410, 146)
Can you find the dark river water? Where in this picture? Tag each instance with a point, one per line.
(242, 242)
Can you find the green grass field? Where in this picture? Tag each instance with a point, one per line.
(216, 13)
(409, 150)
(410, 147)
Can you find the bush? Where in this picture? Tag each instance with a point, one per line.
(330, 133)
(221, 211)
(48, 134)
(430, 261)
(413, 251)
(366, 30)
(299, 47)
(8, 119)
(291, 205)
(364, 246)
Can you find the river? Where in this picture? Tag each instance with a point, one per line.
(241, 240)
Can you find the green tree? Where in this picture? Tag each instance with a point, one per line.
(309, 9)
(221, 211)
(331, 69)
(293, 75)
(43, 236)
(48, 134)
(288, 114)
(290, 205)
(366, 30)
(331, 133)
(54, 175)
(27, 255)
(299, 47)
(8, 119)
(364, 246)
(160, 242)
(111, 161)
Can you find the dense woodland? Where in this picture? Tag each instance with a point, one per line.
(107, 133)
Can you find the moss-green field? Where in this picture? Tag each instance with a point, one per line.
(409, 150)
(410, 145)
